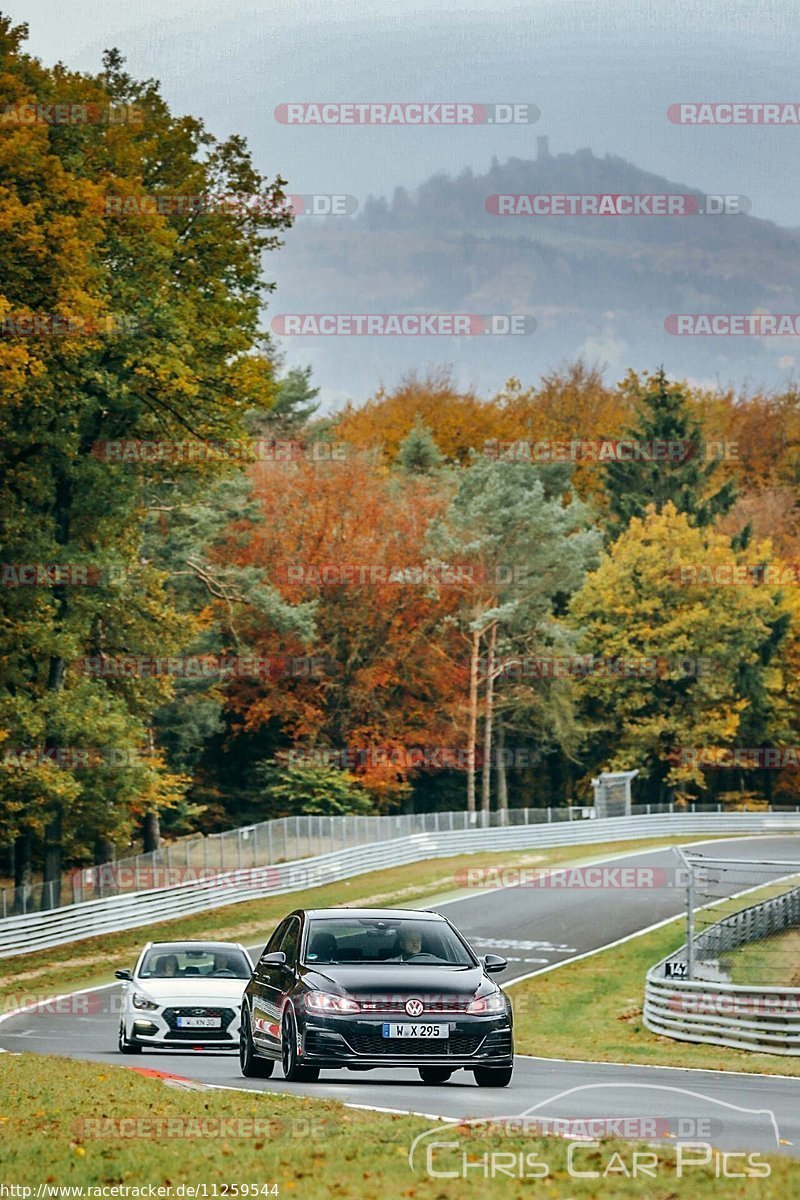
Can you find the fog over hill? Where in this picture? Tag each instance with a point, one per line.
(601, 75)
(598, 286)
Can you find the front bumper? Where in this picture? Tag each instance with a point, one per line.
(160, 1029)
(341, 1041)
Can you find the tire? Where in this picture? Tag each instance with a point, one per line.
(434, 1074)
(493, 1076)
(124, 1046)
(251, 1065)
(292, 1069)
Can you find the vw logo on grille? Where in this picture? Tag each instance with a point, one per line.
(414, 1007)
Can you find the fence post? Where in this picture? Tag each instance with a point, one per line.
(549, 815)
(690, 923)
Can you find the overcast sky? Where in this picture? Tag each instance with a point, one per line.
(602, 72)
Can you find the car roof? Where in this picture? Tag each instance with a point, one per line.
(194, 942)
(390, 914)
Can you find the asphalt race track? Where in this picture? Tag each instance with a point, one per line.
(534, 928)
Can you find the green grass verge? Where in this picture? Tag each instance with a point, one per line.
(773, 961)
(59, 1125)
(84, 963)
(592, 1010)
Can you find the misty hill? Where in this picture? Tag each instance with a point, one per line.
(597, 286)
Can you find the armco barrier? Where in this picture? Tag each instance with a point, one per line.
(748, 925)
(766, 1019)
(38, 931)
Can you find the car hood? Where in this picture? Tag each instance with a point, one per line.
(401, 979)
(195, 991)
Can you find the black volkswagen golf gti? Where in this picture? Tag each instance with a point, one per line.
(366, 988)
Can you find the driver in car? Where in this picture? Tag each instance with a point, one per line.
(222, 963)
(410, 943)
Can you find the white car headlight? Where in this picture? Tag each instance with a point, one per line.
(328, 1002)
(495, 1002)
(140, 1001)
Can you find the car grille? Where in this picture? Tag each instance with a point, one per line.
(374, 1045)
(198, 1035)
(431, 1006)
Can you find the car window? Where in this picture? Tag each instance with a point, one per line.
(290, 940)
(377, 940)
(275, 941)
(186, 962)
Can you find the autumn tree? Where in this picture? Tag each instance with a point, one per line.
(521, 547)
(123, 322)
(347, 539)
(680, 662)
(458, 420)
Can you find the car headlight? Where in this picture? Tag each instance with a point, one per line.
(140, 1001)
(328, 1002)
(493, 1003)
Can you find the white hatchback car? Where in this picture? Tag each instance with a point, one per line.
(184, 994)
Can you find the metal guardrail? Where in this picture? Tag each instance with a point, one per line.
(747, 1017)
(37, 931)
(749, 925)
(283, 839)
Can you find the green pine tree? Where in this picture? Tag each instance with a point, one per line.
(632, 485)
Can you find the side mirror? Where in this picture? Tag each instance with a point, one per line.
(492, 963)
(276, 959)
(127, 975)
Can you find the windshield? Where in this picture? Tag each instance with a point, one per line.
(379, 940)
(186, 962)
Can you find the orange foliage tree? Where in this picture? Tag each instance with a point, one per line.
(390, 681)
(458, 420)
